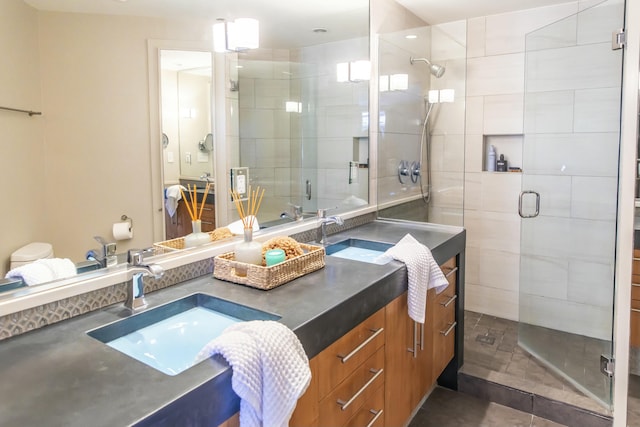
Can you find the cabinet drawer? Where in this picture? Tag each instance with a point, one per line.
(344, 401)
(444, 336)
(338, 360)
(635, 291)
(371, 413)
(208, 212)
(636, 262)
(306, 412)
(450, 270)
(635, 329)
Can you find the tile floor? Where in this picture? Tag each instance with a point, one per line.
(493, 354)
(443, 409)
(496, 357)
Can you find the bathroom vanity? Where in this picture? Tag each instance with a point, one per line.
(59, 375)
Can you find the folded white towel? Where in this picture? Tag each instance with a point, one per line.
(172, 196)
(43, 270)
(237, 227)
(270, 370)
(423, 271)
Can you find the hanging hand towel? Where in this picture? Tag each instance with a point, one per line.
(172, 196)
(270, 370)
(423, 271)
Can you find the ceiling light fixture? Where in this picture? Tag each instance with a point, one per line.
(236, 36)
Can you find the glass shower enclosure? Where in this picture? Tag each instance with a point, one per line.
(573, 81)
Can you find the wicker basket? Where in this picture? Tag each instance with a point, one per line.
(266, 278)
(172, 245)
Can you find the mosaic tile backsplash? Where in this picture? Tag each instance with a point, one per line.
(37, 317)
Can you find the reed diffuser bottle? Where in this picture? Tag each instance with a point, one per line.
(197, 237)
(248, 251)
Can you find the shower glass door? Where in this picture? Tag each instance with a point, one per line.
(573, 84)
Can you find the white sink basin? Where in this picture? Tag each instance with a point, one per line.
(359, 250)
(170, 337)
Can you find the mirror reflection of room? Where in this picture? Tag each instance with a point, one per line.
(187, 138)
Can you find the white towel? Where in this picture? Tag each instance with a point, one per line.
(172, 196)
(44, 270)
(270, 370)
(423, 271)
(237, 227)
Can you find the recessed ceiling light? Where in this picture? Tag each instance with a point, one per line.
(411, 36)
(319, 30)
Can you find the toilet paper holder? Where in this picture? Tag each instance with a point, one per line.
(129, 220)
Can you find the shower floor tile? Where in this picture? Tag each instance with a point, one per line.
(491, 352)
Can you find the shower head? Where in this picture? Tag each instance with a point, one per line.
(436, 70)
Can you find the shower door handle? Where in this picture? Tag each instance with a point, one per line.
(308, 190)
(522, 194)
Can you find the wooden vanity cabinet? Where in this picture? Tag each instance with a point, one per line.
(369, 376)
(635, 300)
(349, 382)
(179, 224)
(416, 355)
(442, 315)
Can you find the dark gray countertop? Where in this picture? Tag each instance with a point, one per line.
(59, 376)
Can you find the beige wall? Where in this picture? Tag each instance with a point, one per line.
(22, 169)
(74, 171)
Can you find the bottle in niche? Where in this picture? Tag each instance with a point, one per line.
(501, 164)
(491, 159)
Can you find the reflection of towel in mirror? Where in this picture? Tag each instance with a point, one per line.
(237, 227)
(44, 270)
(423, 271)
(270, 370)
(171, 196)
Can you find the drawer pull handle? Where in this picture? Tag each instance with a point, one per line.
(448, 331)
(414, 349)
(344, 405)
(635, 284)
(449, 301)
(364, 343)
(449, 273)
(636, 310)
(377, 415)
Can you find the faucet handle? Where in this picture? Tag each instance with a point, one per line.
(136, 256)
(297, 210)
(322, 212)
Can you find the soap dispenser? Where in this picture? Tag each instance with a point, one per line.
(491, 159)
(501, 164)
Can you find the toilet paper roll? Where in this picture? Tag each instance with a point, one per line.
(122, 230)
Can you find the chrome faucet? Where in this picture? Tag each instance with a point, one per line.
(295, 215)
(206, 176)
(106, 255)
(135, 288)
(321, 236)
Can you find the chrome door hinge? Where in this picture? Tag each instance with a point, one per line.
(618, 39)
(607, 365)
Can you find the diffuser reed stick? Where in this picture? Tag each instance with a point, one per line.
(193, 210)
(254, 200)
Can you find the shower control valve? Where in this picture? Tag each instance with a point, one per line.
(403, 171)
(415, 172)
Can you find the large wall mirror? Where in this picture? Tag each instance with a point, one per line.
(285, 110)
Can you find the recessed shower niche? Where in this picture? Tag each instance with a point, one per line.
(509, 145)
